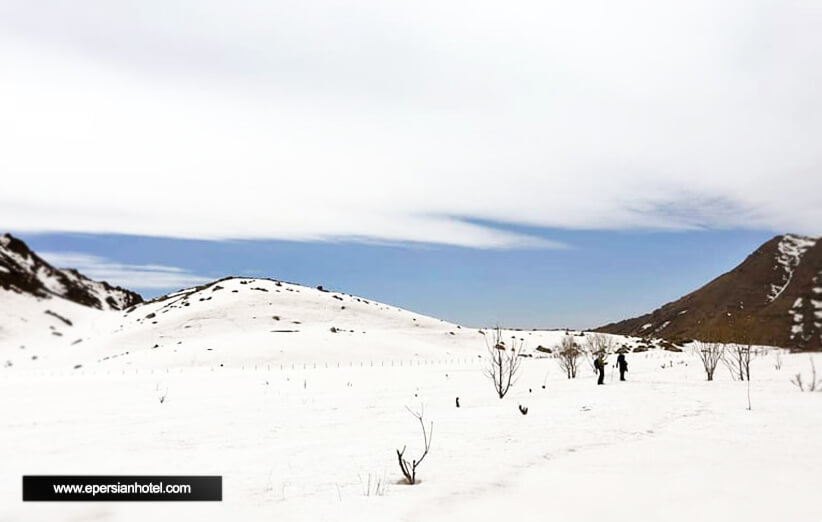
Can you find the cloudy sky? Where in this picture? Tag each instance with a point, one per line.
(478, 125)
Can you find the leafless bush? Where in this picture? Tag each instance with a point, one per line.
(737, 359)
(503, 363)
(778, 362)
(161, 396)
(598, 346)
(813, 385)
(409, 469)
(710, 354)
(374, 486)
(568, 356)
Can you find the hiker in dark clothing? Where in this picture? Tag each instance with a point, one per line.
(599, 366)
(623, 366)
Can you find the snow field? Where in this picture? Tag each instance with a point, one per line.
(303, 444)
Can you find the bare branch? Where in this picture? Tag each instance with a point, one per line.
(710, 354)
(568, 356)
(503, 364)
(813, 384)
(409, 469)
(737, 359)
(597, 346)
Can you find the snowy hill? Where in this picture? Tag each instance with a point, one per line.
(237, 322)
(59, 318)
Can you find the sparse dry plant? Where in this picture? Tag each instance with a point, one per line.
(710, 354)
(409, 469)
(374, 485)
(812, 385)
(737, 359)
(598, 346)
(568, 356)
(503, 362)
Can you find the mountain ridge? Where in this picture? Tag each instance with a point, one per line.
(23, 271)
(773, 297)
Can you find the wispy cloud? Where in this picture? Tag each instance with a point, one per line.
(125, 275)
(316, 121)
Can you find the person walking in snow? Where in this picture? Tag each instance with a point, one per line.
(623, 366)
(599, 366)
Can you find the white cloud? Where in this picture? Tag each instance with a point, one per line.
(410, 122)
(125, 275)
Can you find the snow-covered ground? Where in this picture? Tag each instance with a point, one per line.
(303, 444)
(303, 421)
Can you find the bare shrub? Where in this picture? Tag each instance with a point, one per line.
(375, 485)
(737, 359)
(710, 354)
(503, 362)
(409, 469)
(813, 385)
(778, 360)
(598, 346)
(568, 356)
(161, 396)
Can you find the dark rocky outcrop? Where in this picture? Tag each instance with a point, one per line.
(23, 271)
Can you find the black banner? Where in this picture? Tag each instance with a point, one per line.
(118, 488)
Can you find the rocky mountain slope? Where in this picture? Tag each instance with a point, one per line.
(774, 297)
(24, 272)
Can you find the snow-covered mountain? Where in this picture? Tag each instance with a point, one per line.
(23, 271)
(248, 322)
(774, 297)
(43, 306)
(231, 322)
(53, 316)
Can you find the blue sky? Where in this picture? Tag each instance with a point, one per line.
(599, 277)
